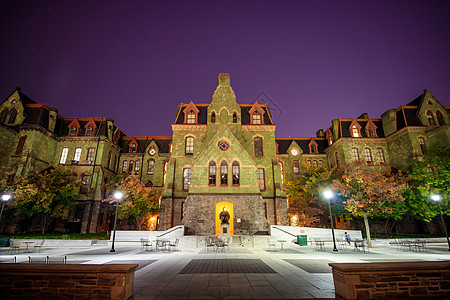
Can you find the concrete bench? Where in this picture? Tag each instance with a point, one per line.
(391, 279)
(61, 281)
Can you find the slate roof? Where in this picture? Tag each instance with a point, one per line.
(203, 113)
(284, 143)
(36, 115)
(163, 143)
(345, 127)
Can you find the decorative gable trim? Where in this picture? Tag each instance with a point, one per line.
(132, 149)
(313, 146)
(190, 109)
(256, 109)
(89, 132)
(329, 137)
(355, 129)
(76, 125)
(371, 129)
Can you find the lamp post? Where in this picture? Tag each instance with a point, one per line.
(5, 198)
(118, 196)
(437, 198)
(328, 195)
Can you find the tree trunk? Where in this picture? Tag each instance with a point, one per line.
(366, 224)
(138, 223)
(44, 224)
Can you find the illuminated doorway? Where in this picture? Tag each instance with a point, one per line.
(229, 207)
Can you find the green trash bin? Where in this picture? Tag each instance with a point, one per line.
(4, 242)
(302, 240)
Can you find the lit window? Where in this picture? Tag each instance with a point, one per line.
(190, 117)
(368, 155)
(85, 179)
(151, 165)
(320, 162)
(212, 173)
(189, 146)
(257, 141)
(260, 179)
(295, 165)
(422, 145)
(187, 177)
(355, 154)
(90, 156)
(164, 172)
(330, 141)
(256, 117)
(73, 131)
(355, 131)
(430, 118)
(282, 171)
(315, 163)
(236, 173)
(234, 117)
(77, 155)
(64, 153)
(89, 131)
(223, 173)
(308, 162)
(380, 154)
(440, 117)
(124, 166)
(213, 117)
(136, 166)
(133, 148)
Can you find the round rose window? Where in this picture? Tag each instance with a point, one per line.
(224, 145)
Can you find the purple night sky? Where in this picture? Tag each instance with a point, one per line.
(135, 61)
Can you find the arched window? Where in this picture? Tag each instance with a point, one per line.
(423, 145)
(257, 141)
(130, 166)
(315, 163)
(12, 116)
(440, 117)
(63, 158)
(224, 173)
(212, 173)
(355, 154)
(213, 117)
(308, 162)
(136, 166)
(187, 177)
(3, 116)
(380, 154)
(368, 155)
(90, 156)
(260, 179)
(337, 159)
(124, 166)
(234, 117)
(189, 147)
(282, 171)
(296, 166)
(256, 117)
(108, 161)
(320, 162)
(236, 175)
(133, 148)
(150, 167)
(77, 155)
(164, 172)
(430, 118)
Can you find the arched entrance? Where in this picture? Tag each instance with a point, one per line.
(229, 207)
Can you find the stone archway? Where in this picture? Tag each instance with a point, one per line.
(229, 208)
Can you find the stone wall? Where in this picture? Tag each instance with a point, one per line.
(392, 280)
(33, 281)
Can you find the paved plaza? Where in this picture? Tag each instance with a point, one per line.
(239, 271)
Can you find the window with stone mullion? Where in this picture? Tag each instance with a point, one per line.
(236, 174)
(381, 158)
(212, 173)
(368, 155)
(189, 146)
(258, 146)
(355, 154)
(224, 173)
(187, 177)
(260, 179)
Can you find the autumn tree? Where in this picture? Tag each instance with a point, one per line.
(370, 194)
(48, 194)
(429, 175)
(138, 202)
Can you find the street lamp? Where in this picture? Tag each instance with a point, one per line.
(437, 198)
(118, 196)
(328, 195)
(5, 198)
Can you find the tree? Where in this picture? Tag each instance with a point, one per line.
(139, 201)
(49, 194)
(429, 175)
(304, 193)
(371, 194)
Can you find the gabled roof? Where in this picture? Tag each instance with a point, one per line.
(345, 127)
(62, 127)
(163, 143)
(284, 143)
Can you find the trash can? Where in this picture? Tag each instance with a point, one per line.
(302, 240)
(4, 242)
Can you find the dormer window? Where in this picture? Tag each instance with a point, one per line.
(355, 131)
(89, 131)
(256, 117)
(133, 148)
(191, 117)
(313, 147)
(73, 131)
(371, 132)
(430, 117)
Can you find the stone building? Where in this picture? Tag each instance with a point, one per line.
(221, 154)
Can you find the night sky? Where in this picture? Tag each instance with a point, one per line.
(311, 61)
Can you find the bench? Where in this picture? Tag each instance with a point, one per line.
(391, 280)
(61, 281)
(360, 245)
